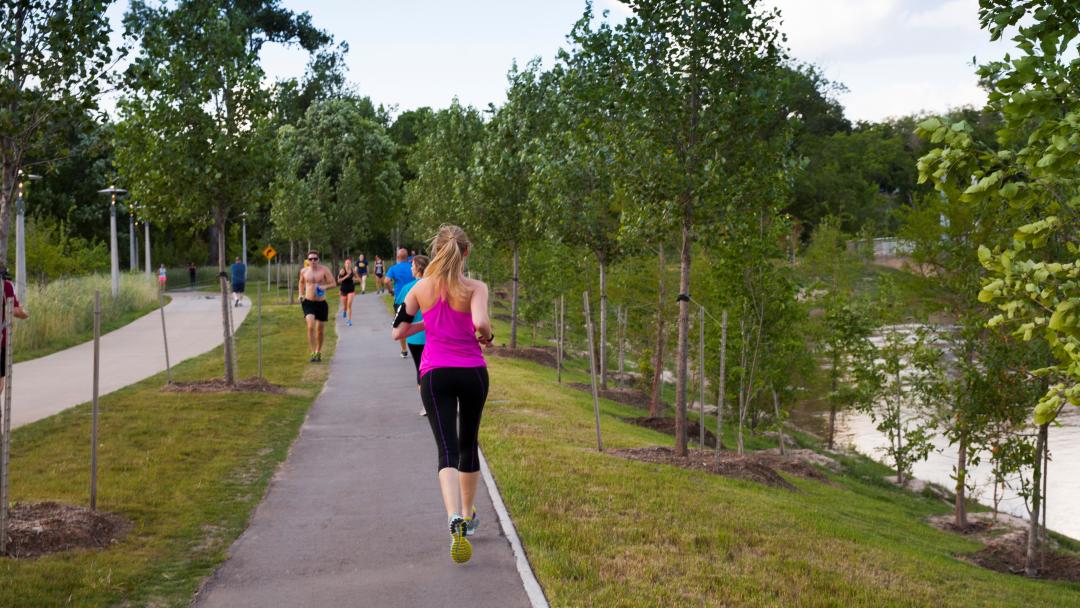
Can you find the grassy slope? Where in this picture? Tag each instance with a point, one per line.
(603, 531)
(59, 343)
(187, 469)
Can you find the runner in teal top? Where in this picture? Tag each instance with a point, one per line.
(415, 342)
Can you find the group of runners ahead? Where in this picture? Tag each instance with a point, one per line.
(442, 321)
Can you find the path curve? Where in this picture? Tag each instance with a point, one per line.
(354, 516)
(51, 384)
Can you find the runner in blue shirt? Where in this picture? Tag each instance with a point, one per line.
(416, 341)
(239, 277)
(398, 276)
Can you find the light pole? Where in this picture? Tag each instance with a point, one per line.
(132, 262)
(243, 239)
(20, 238)
(146, 230)
(113, 257)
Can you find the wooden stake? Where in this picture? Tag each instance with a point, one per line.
(5, 447)
(94, 410)
(259, 291)
(164, 337)
(592, 371)
(701, 378)
(723, 381)
(560, 331)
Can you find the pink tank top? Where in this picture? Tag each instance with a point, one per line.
(451, 339)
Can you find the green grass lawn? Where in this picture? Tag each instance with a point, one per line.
(186, 469)
(603, 531)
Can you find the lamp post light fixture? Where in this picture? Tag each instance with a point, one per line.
(114, 259)
(20, 237)
(133, 252)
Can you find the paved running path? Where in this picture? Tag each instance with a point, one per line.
(51, 384)
(354, 516)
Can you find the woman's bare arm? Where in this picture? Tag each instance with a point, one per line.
(479, 307)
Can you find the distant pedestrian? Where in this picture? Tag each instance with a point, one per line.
(398, 276)
(18, 312)
(191, 273)
(380, 270)
(239, 277)
(346, 281)
(162, 276)
(453, 374)
(362, 272)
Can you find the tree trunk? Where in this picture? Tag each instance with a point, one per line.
(1031, 567)
(658, 352)
(514, 301)
(834, 373)
(720, 391)
(684, 332)
(603, 323)
(9, 175)
(622, 339)
(779, 422)
(219, 222)
(961, 520)
(742, 385)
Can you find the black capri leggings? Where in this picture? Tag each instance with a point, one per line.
(444, 390)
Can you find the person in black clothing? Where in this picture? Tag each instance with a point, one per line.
(191, 272)
(346, 280)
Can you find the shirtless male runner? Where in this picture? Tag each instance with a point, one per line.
(314, 281)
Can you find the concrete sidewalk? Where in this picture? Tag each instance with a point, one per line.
(51, 384)
(354, 516)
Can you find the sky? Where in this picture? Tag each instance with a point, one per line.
(895, 57)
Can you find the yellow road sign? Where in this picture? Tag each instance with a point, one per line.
(269, 252)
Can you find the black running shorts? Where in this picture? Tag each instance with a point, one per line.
(319, 309)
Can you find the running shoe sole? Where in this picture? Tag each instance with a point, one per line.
(460, 547)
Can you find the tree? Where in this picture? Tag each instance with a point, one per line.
(195, 139)
(1034, 281)
(706, 79)
(502, 171)
(54, 55)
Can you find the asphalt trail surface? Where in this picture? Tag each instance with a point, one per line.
(354, 516)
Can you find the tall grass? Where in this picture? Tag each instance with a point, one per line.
(62, 312)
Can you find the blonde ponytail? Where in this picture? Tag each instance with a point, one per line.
(446, 270)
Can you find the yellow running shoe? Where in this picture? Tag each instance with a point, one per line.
(460, 547)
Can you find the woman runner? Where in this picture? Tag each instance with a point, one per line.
(415, 342)
(453, 374)
(379, 271)
(346, 280)
(361, 270)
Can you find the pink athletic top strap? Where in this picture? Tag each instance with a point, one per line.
(451, 339)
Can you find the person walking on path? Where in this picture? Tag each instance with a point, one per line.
(313, 283)
(416, 341)
(239, 277)
(399, 275)
(453, 374)
(380, 270)
(361, 271)
(18, 312)
(162, 277)
(192, 272)
(346, 281)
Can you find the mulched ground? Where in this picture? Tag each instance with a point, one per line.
(544, 355)
(667, 425)
(42, 528)
(754, 466)
(217, 385)
(1009, 557)
(626, 396)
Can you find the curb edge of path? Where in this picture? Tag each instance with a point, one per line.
(532, 586)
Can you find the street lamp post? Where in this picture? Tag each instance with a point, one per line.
(146, 230)
(20, 238)
(114, 259)
(243, 233)
(132, 246)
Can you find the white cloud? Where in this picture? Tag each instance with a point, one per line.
(824, 26)
(955, 14)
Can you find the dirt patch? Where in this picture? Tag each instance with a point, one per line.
(217, 385)
(1009, 556)
(730, 465)
(626, 396)
(42, 528)
(667, 426)
(537, 354)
